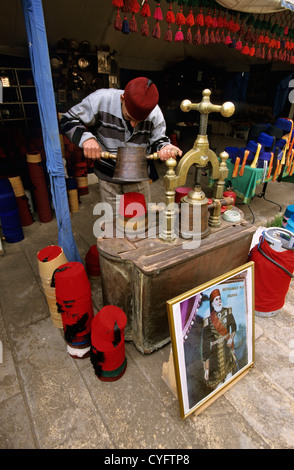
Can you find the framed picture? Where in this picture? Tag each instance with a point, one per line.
(212, 336)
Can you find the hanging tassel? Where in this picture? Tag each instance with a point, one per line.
(269, 55)
(145, 10)
(158, 13)
(168, 35)
(145, 28)
(217, 37)
(205, 38)
(156, 30)
(170, 17)
(118, 21)
(197, 37)
(179, 35)
(263, 53)
(239, 45)
(245, 50)
(258, 52)
(190, 19)
(214, 21)
(286, 31)
(252, 51)
(266, 39)
(212, 37)
(199, 19)
(118, 3)
(228, 40)
(208, 20)
(134, 6)
(133, 24)
(188, 37)
(261, 38)
(222, 36)
(125, 26)
(180, 18)
(127, 6)
(220, 21)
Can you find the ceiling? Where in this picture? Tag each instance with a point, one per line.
(93, 20)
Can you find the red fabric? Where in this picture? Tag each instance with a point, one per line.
(271, 282)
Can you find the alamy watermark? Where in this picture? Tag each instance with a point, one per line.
(140, 222)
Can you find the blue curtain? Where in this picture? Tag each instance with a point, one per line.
(39, 55)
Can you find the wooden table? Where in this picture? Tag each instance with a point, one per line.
(140, 275)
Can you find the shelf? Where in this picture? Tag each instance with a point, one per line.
(19, 99)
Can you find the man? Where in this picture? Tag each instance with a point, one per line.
(110, 118)
(219, 330)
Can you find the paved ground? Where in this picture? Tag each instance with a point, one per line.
(49, 400)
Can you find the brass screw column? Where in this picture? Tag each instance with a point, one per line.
(214, 218)
(170, 182)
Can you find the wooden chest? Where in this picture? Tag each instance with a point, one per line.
(140, 275)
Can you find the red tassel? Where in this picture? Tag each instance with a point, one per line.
(188, 37)
(239, 45)
(231, 25)
(145, 11)
(179, 35)
(199, 19)
(170, 17)
(145, 28)
(228, 40)
(222, 36)
(190, 19)
(275, 55)
(225, 23)
(133, 24)
(258, 52)
(266, 39)
(208, 20)
(127, 6)
(156, 30)
(212, 37)
(197, 37)
(134, 6)
(220, 21)
(245, 50)
(158, 13)
(214, 22)
(205, 38)
(168, 35)
(286, 31)
(261, 38)
(180, 18)
(252, 51)
(118, 21)
(263, 53)
(118, 3)
(217, 37)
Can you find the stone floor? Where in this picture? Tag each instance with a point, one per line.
(49, 400)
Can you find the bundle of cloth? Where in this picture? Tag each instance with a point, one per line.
(268, 146)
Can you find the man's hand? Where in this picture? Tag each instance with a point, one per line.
(169, 151)
(92, 149)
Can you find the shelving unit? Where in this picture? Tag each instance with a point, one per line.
(19, 98)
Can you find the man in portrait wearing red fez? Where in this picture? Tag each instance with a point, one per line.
(219, 329)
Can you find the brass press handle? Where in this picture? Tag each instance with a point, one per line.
(153, 156)
(205, 106)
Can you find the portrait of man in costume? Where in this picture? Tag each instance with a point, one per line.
(214, 337)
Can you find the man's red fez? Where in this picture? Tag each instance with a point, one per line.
(141, 96)
(215, 293)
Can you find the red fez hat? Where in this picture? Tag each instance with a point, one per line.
(215, 293)
(132, 205)
(108, 344)
(92, 261)
(141, 96)
(71, 281)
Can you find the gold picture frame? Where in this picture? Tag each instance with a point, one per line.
(212, 337)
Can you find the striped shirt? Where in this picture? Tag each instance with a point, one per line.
(99, 115)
